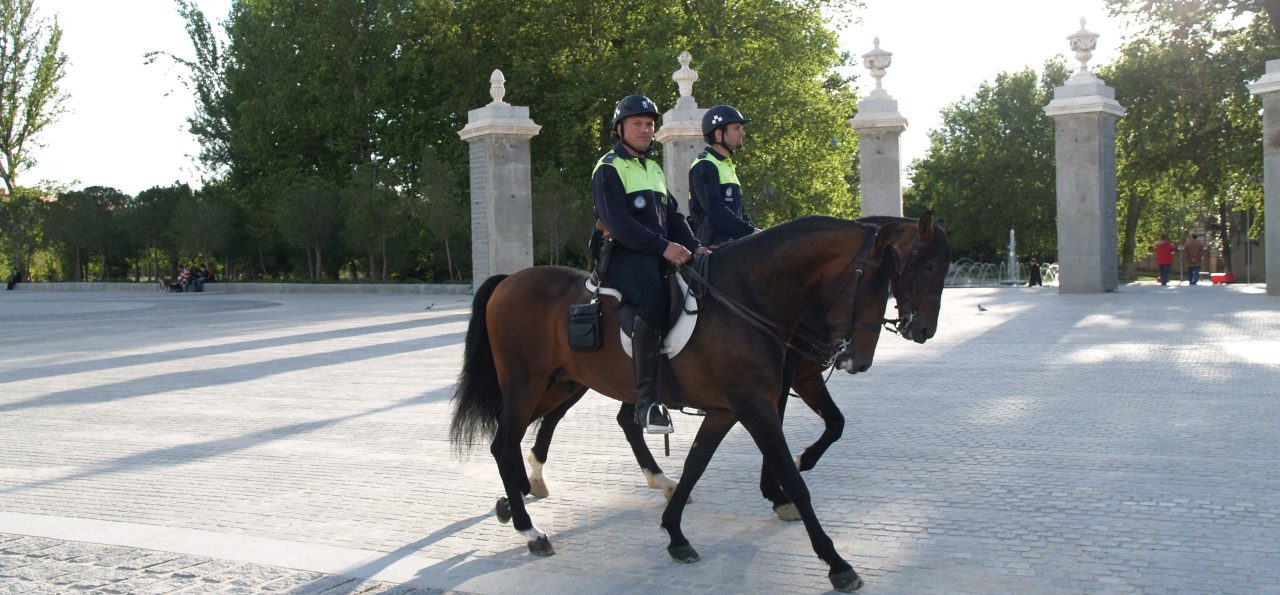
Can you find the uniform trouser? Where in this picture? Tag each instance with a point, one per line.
(639, 277)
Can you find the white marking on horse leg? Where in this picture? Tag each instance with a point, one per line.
(537, 485)
(787, 512)
(660, 481)
(533, 533)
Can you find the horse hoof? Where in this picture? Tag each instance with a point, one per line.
(787, 512)
(503, 510)
(846, 582)
(542, 547)
(683, 553)
(538, 488)
(669, 491)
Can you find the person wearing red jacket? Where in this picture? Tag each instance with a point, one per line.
(1164, 257)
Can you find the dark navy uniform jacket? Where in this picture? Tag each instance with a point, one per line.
(717, 199)
(631, 200)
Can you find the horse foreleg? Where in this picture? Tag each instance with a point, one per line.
(506, 452)
(653, 474)
(541, 444)
(710, 433)
(814, 392)
(769, 487)
(761, 421)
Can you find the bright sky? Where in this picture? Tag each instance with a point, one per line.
(126, 125)
(942, 50)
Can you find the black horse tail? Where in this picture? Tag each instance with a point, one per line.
(478, 399)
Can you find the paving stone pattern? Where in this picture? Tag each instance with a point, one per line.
(1118, 443)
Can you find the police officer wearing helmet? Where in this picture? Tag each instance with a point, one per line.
(647, 231)
(713, 180)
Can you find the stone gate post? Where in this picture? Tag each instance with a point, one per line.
(501, 187)
(681, 135)
(1268, 88)
(1085, 112)
(879, 127)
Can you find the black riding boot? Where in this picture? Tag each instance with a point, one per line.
(646, 345)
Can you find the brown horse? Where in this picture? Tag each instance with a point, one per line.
(917, 263)
(518, 367)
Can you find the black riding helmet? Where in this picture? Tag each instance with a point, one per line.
(633, 105)
(718, 117)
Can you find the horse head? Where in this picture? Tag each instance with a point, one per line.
(868, 303)
(923, 257)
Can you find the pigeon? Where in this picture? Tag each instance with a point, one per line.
(981, 309)
(429, 307)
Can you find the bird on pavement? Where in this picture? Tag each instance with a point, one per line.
(981, 309)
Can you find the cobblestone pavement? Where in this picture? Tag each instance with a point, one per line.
(1118, 443)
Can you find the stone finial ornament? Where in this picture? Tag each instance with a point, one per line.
(685, 76)
(497, 87)
(877, 60)
(1083, 42)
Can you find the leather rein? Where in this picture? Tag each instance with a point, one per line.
(804, 342)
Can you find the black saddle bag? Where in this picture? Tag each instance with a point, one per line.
(585, 333)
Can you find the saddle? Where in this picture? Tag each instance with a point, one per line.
(681, 319)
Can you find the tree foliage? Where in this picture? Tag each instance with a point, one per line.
(31, 69)
(325, 89)
(990, 168)
(1188, 147)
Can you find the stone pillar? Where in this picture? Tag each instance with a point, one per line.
(681, 135)
(879, 126)
(1268, 88)
(1085, 112)
(501, 194)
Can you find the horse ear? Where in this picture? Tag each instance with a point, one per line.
(925, 225)
(885, 237)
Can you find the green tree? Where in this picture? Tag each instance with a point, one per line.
(1187, 19)
(20, 228)
(375, 217)
(202, 222)
(441, 207)
(562, 219)
(1187, 149)
(31, 71)
(149, 219)
(990, 167)
(206, 79)
(309, 216)
(83, 223)
(325, 89)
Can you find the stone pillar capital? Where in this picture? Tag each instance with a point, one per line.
(1270, 82)
(499, 118)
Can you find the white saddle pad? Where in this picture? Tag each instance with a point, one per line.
(679, 335)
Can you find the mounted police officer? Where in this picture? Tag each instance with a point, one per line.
(713, 180)
(640, 218)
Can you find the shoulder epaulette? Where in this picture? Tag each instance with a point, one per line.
(608, 157)
(702, 155)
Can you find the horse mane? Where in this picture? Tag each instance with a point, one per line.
(748, 252)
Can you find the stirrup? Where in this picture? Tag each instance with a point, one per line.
(658, 428)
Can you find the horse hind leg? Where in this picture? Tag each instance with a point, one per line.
(506, 452)
(653, 475)
(542, 444)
